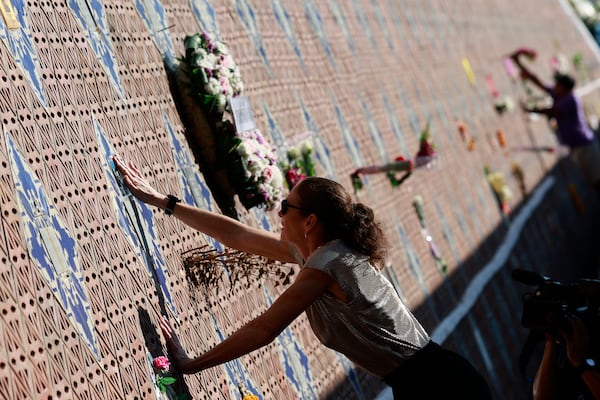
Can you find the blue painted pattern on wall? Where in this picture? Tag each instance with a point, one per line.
(238, 374)
(342, 22)
(322, 152)
(205, 15)
(194, 190)
(350, 141)
(412, 24)
(314, 18)
(152, 13)
(364, 24)
(51, 247)
(413, 120)
(398, 24)
(247, 16)
(136, 221)
(285, 22)
(395, 125)
(20, 44)
(92, 18)
(447, 232)
(374, 130)
(293, 359)
(275, 133)
(261, 216)
(412, 259)
(383, 24)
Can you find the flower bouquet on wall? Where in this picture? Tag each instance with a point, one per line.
(253, 170)
(400, 164)
(500, 189)
(214, 75)
(503, 104)
(427, 149)
(426, 157)
(206, 77)
(298, 163)
(242, 163)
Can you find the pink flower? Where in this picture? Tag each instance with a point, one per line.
(293, 176)
(161, 363)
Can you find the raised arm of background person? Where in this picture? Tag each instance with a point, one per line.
(544, 385)
(527, 72)
(226, 230)
(308, 286)
(547, 111)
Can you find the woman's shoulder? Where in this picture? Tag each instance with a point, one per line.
(333, 253)
(326, 252)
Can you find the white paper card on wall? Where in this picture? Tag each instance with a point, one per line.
(242, 114)
(54, 250)
(8, 13)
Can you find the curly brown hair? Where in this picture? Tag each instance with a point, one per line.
(354, 223)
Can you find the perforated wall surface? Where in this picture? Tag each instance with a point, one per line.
(86, 271)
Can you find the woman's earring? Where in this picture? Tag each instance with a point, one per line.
(304, 235)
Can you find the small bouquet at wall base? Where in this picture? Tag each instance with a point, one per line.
(519, 175)
(400, 164)
(395, 179)
(501, 191)
(162, 365)
(435, 253)
(357, 183)
(253, 170)
(462, 130)
(299, 163)
(503, 104)
(427, 149)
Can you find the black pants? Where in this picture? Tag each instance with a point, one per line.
(436, 373)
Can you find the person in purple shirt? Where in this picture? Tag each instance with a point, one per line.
(572, 129)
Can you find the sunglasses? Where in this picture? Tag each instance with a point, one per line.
(285, 206)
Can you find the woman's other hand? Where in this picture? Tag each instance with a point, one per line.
(178, 355)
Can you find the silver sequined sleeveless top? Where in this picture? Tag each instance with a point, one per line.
(374, 329)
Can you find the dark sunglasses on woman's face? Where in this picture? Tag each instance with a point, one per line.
(285, 206)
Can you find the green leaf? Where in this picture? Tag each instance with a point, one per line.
(192, 42)
(167, 380)
(161, 387)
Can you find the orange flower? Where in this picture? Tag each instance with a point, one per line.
(501, 138)
(471, 145)
(462, 129)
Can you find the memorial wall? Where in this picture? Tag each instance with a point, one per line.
(87, 270)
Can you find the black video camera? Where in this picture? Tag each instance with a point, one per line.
(549, 306)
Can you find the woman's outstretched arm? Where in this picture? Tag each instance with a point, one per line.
(226, 230)
(308, 286)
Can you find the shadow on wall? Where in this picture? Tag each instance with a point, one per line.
(153, 345)
(558, 240)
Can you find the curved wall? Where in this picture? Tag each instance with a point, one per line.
(86, 272)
